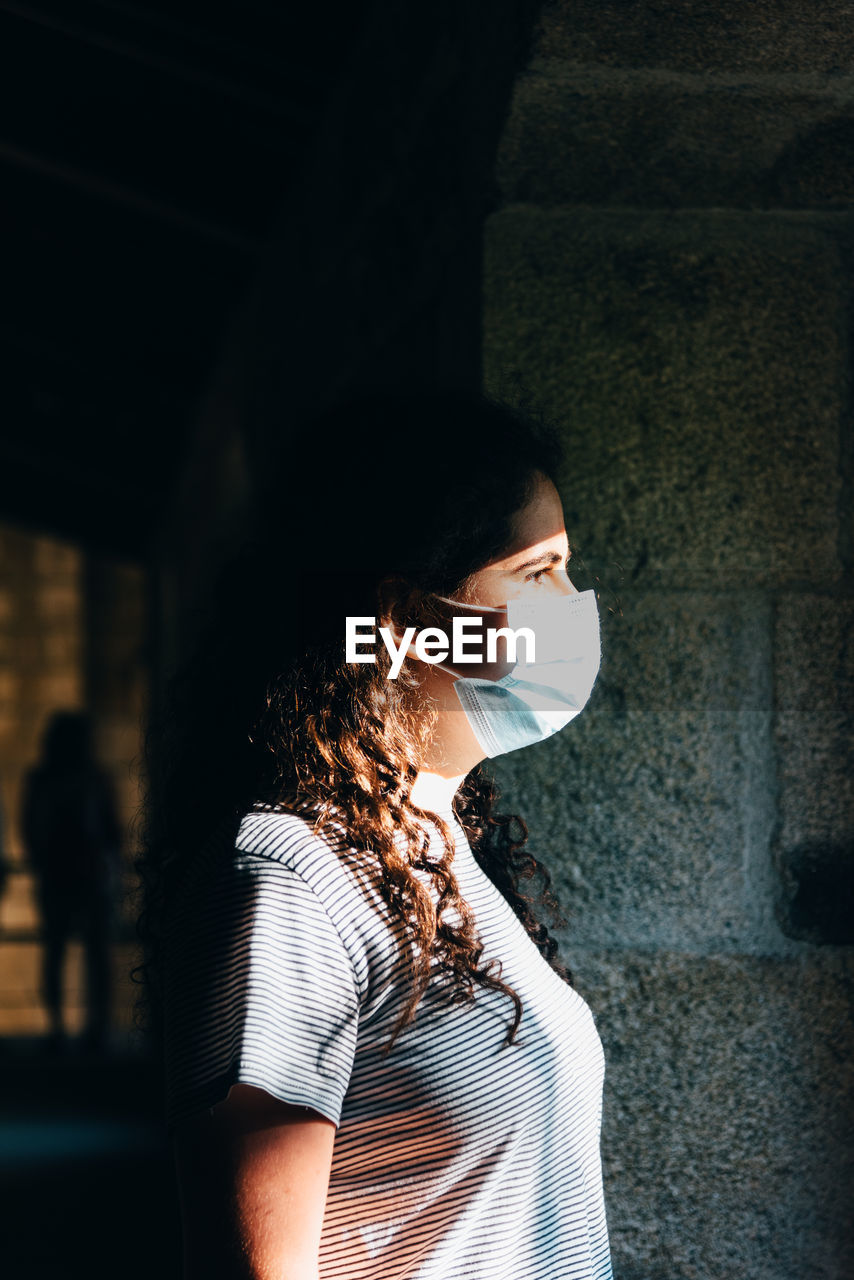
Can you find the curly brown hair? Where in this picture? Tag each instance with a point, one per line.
(267, 711)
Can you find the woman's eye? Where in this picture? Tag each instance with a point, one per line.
(537, 575)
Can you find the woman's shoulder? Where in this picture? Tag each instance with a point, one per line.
(324, 859)
(280, 844)
(285, 836)
(267, 865)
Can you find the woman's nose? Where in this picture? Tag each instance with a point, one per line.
(565, 585)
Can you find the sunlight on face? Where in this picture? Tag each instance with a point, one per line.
(536, 560)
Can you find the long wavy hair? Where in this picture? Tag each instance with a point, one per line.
(267, 711)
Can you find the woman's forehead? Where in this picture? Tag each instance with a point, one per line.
(539, 525)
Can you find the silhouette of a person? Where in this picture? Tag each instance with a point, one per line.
(4, 865)
(72, 836)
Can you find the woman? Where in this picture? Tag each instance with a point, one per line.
(72, 835)
(376, 1066)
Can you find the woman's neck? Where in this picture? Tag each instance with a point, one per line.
(434, 791)
(453, 750)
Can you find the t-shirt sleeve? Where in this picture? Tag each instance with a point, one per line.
(259, 989)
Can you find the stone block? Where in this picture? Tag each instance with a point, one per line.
(9, 684)
(654, 809)
(59, 647)
(61, 690)
(593, 135)
(728, 1113)
(57, 601)
(21, 1008)
(696, 364)
(814, 695)
(691, 35)
(54, 559)
(18, 905)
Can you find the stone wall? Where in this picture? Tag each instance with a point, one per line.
(669, 278)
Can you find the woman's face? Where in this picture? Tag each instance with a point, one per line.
(536, 560)
(532, 566)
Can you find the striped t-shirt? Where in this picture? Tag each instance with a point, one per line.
(456, 1157)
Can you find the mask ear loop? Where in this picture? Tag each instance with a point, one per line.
(475, 608)
(459, 604)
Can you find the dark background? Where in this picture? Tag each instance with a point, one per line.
(636, 214)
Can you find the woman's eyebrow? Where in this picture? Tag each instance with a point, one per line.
(546, 557)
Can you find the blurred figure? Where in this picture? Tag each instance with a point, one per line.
(4, 864)
(72, 837)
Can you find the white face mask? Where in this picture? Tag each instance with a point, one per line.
(537, 698)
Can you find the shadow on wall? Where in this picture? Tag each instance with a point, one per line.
(819, 904)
